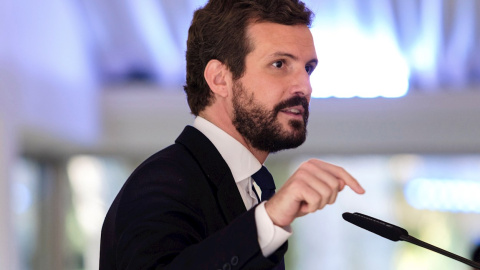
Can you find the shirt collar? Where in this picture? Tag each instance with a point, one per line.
(240, 160)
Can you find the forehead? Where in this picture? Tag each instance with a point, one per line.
(268, 38)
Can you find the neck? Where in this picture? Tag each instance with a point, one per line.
(226, 125)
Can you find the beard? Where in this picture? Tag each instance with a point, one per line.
(260, 126)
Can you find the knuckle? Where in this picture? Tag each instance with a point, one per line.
(309, 164)
(336, 185)
(301, 173)
(342, 172)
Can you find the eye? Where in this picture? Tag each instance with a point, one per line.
(278, 64)
(309, 69)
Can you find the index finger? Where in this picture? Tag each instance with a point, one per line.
(341, 174)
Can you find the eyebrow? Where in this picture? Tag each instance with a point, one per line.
(289, 55)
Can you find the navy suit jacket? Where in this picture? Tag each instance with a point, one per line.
(181, 209)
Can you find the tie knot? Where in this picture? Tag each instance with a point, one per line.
(264, 180)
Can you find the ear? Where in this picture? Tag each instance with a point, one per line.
(218, 77)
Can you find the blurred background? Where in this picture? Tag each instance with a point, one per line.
(89, 89)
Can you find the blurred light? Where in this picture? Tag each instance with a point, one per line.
(22, 197)
(453, 195)
(85, 174)
(58, 32)
(423, 58)
(355, 64)
(22, 185)
(154, 28)
(88, 176)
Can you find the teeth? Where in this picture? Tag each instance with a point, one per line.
(296, 111)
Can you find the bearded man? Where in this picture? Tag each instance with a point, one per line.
(193, 205)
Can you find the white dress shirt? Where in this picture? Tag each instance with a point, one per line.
(243, 165)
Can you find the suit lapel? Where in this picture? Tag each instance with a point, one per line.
(216, 170)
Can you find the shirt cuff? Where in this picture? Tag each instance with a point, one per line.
(270, 236)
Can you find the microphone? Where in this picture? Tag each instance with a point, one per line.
(396, 233)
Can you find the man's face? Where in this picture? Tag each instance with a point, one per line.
(270, 100)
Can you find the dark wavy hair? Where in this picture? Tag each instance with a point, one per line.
(218, 31)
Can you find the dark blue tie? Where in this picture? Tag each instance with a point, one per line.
(264, 180)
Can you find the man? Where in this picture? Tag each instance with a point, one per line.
(193, 204)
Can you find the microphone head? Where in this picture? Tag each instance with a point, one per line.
(376, 226)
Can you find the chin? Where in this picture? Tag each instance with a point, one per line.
(297, 125)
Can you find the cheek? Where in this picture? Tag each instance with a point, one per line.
(270, 90)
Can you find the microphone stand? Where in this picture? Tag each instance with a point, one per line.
(415, 241)
(395, 233)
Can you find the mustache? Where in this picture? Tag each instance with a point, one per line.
(294, 101)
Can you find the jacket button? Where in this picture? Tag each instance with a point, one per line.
(234, 260)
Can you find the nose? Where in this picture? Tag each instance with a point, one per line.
(301, 84)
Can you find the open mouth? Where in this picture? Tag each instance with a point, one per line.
(297, 110)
